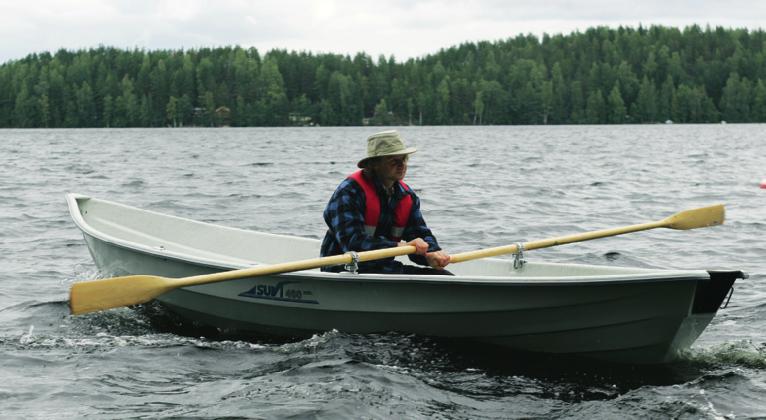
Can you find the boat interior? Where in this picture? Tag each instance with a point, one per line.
(218, 245)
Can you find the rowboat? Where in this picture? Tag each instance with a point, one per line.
(620, 314)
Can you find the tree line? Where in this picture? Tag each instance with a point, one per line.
(599, 76)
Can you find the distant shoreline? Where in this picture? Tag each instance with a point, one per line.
(599, 76)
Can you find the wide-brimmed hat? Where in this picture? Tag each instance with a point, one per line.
(385, 143)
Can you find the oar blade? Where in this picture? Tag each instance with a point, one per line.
(697, 218)
(91, 296)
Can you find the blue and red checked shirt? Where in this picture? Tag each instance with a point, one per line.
(344, 216)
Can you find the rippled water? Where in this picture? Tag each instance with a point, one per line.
(480, 187)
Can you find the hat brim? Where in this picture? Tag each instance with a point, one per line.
(407, 151)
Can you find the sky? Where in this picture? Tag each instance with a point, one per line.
(402, 28)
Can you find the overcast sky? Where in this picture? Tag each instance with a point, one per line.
(403, 28)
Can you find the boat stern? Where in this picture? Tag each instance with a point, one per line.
(709, 297)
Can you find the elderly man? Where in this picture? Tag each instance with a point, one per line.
(373, 209)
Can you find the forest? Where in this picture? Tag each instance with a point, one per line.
(603, 75)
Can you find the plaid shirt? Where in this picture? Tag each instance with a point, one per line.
(344, 216)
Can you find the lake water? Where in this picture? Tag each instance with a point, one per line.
(480, 187)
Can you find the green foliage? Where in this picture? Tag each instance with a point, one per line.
(615, 106)
(381, 116)
(602, 75)
(759, 102)
(645, 107)
(595, 108)
(735, 100)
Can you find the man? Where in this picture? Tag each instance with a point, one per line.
(374, 209)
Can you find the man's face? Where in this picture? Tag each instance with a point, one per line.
(393, 168)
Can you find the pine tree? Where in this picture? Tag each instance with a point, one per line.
(735, 100)
(759, 102)
(645, 109)
(171, 112)
(24, 109)
(615, 106)
(107, 116)
(595, 109)
(86, 106)
(381, 116)
(577, 115)
(667, 100)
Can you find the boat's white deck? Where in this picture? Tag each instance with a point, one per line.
(218, 245)
(183, 237)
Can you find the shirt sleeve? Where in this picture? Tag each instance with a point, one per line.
(417, 228)
(344, 216)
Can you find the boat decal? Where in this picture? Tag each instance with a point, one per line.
(287, 291)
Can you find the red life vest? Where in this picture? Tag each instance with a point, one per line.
(372, 207)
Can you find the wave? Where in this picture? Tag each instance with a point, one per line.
(744, 353)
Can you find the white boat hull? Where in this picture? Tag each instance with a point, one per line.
(619, 314)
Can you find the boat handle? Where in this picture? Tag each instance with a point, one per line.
(728, 298)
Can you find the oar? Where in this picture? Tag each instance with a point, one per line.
(115, 292)
(685, 220)
(97, 295)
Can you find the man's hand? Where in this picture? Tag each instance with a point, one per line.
(438, 259)
(421, 246)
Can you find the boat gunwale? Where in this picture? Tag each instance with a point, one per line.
(648, 276)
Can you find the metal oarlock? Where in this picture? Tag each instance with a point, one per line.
(353, 266)
(518, 256)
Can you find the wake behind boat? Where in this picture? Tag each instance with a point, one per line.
(620, 314)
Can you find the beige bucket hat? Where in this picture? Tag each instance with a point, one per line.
(385, 143)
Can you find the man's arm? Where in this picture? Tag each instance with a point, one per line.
(417, 228)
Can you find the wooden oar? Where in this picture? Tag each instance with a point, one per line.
(97, 295)
(687, 219)
(115, 292)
